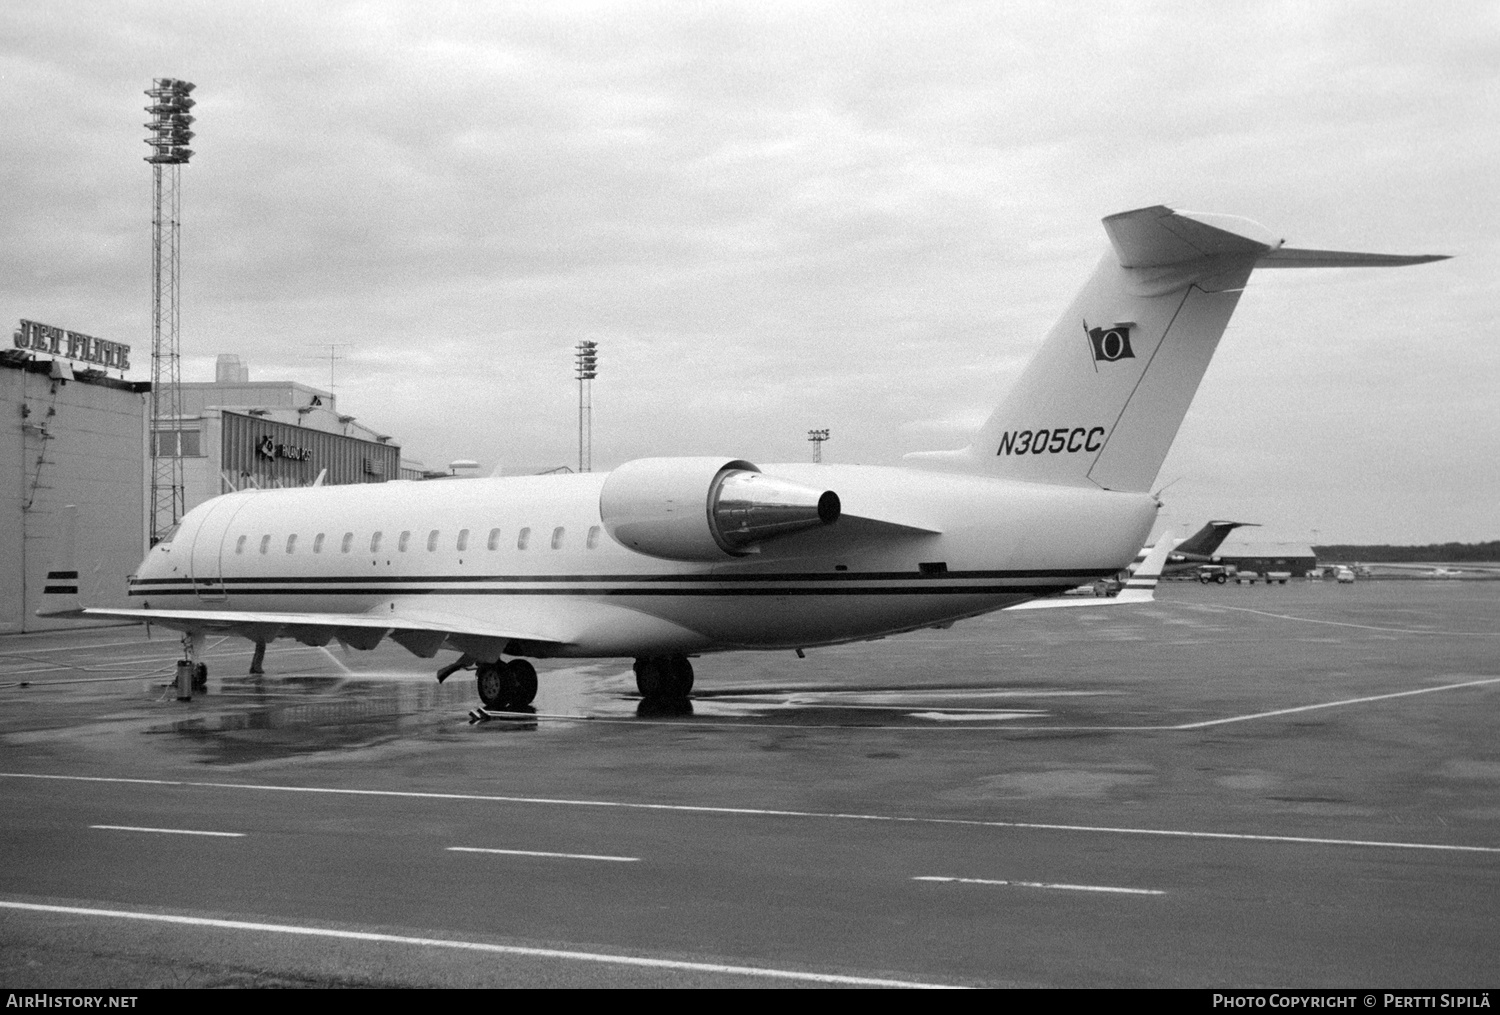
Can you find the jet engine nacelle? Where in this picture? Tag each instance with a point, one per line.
(706, 509)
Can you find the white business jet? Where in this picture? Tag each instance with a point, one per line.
(666, 558)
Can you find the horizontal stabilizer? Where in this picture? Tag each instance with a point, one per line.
(1158, 236)
(1294, 257)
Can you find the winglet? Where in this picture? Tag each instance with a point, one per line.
(1140, 587)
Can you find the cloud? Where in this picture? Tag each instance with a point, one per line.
(774, 217)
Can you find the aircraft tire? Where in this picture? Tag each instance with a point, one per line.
(200, 675)
(651, 677)
(663, 678)
(680, 669)
(522, 679)
(495, 684)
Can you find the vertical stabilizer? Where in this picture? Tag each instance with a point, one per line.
(1101, 402)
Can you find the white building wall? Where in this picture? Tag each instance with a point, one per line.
(78, 443)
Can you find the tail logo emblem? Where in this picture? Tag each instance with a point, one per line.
(1110, 344)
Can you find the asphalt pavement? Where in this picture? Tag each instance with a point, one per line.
(1232, 787)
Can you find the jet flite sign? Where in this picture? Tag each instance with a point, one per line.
(72, 345)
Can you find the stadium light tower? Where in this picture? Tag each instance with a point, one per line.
(585, 358)
(170, 120)
(817, 437)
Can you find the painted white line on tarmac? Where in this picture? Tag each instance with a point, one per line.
(82, 647)
(533, 852)
(1042, 884)
(169, 831)
(1344, 623)
(603, 958)
(761, 812)
(1333, 704)
(974, 716)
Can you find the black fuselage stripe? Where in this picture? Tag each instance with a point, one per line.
(953, 590)
(885, 576)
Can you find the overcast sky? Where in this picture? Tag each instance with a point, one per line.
(778, 216)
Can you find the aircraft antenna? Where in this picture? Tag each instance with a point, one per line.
(585, 357)
(170, 120)
(817, 437)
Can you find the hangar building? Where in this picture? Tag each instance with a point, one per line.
(236, 433)
(1263, 558)
(81, 437)
(75, 438)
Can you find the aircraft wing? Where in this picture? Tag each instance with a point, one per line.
(540, 626)
(1140, 587)
(421, 629)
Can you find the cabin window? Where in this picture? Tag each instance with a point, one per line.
(375, 543)
(265, 542)
(405, 538)
(523, 539)
(347, 543)
(593, 539)
(432, 540)
(318, 543)
(291, 543)
(557, 537)
(494, 543)
(239, 544)
(463, 540)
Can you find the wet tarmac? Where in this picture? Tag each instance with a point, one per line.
(1234, 786)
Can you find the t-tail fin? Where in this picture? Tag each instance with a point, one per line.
(1101, 401)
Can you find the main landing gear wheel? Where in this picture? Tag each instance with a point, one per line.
(506, 685)
(663, 677)
(200, 676)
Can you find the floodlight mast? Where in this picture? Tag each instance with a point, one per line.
(169, 125)
(817, 437)
(585, 357)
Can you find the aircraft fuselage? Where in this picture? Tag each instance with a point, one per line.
(912, 548)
